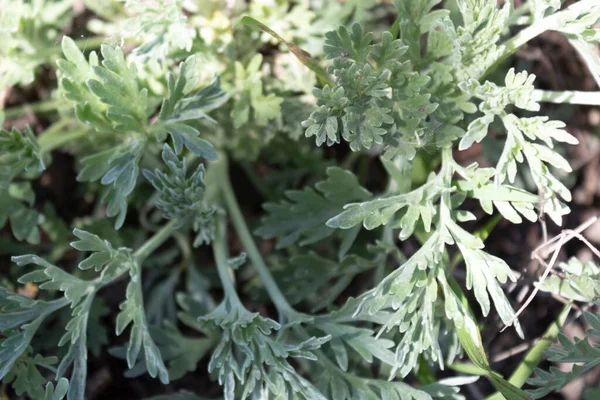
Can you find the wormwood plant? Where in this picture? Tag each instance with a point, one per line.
(356, 317)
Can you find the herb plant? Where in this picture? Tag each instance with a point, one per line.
(340, 307)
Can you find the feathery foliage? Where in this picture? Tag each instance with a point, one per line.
(361, 241)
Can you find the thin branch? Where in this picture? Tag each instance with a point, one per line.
(553, 245)
(568, 97)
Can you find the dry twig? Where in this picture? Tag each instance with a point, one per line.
(553, 246)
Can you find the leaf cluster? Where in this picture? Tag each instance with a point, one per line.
(21, 159)
(363, 280)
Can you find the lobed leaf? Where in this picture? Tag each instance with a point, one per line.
(304, 215)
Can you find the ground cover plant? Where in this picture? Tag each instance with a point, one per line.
(294, 199)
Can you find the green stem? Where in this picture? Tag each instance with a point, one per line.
(468, 369)
(155, 241)
(567, 96)
(40, 107)
(57, 135)
(447, 169)
(90, 43)
(536, 354)
(220, 254)
(186, 250)
(245, 236)
(446, 172)
(551, 22)
(140, 255)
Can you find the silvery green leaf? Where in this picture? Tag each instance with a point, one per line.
(245, 342)
(78, 293)
(25, 376)
(377, 212)
(591, 59)
(518, 90)
(353, 44)
(479, 37)
(476, 131)
(21, 157)
(304, 216)
(539, 8)
(248, 96)
(57, 392)
(362, 341)
(163, 27)
(132, 313)
(581, 281)
(484, 273)
(181, 353)
(115, 84)
(586, 355)
(180, 108)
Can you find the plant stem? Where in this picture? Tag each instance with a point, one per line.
(446, 172)
(567, 96)
(245, 236)
(468, 369)
(536, 354)
(56, 135)
(40, 107)
(220, 254)
(186, 250)
(90, 43)
(155, 241)
(551, 22)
